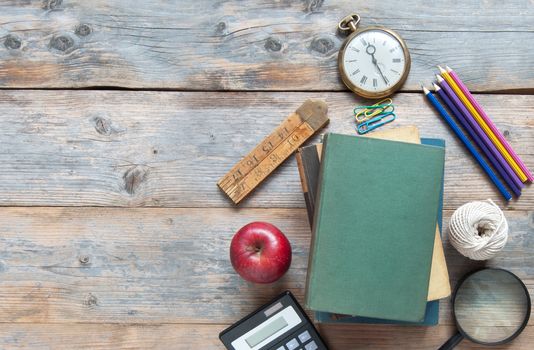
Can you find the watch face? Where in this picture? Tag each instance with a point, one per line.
(374, 61)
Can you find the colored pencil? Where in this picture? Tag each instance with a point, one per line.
(475, 135)
(489, 146)
(483, 125)
(488, 121)
(467, 143)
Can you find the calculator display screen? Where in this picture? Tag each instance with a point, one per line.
(272, 328)
(266, 332)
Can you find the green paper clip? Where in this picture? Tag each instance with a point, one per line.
(364, 113)
(375, 122)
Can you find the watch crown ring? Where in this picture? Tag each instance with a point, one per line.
(349, 22)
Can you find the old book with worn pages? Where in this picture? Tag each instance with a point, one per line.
(373, 240)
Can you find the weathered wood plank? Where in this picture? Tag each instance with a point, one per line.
(194, 336)
(110, 148)
(284, 45)
(114, 265)
(109, 336)
(408, 338)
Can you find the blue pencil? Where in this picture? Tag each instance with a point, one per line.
(478, 141)
(467, 144)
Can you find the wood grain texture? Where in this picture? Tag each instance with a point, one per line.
(169, 149)
(115, 265)
(204, 337)
(110, 336)
(282, 45)
(407, 338)
(80, 276)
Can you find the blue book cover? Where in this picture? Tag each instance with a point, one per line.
(432, 307)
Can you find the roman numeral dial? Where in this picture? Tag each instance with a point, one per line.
(374, 62)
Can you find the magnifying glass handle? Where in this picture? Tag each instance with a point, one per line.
(452, 342)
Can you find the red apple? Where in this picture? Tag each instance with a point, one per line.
(260, 252)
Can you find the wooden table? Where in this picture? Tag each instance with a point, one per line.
(117, 118)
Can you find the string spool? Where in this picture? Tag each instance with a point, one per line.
(478, 230)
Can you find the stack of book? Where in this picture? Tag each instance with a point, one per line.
(374, 205)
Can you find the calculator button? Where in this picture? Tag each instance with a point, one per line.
(292, 344)
(304, 337)
(281, 348)
(311, 346)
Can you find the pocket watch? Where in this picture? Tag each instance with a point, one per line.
(373, 62)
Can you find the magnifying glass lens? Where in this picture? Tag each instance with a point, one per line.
(491, 306)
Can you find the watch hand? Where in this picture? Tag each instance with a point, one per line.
(380, 71)
(370, 50)
(375, 62)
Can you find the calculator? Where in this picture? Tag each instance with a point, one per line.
(280, 324)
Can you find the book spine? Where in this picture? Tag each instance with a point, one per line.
(304, 184)
(315, 225)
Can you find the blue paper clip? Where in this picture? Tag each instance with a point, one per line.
(375, 122)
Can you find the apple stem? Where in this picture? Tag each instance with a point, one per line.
(254, 248)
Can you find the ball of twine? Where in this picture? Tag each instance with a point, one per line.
(478, 230)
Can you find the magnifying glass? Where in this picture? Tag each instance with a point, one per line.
(490, 307)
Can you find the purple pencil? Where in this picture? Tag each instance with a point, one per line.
(476, 133)
(490, 146)
(490, 124)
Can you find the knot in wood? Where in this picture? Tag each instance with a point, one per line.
(103, 126)
(51, 4)
(90, 300)
(84, 259)
(61, 43)
(322, 45)
(313, 5)
(12, 42)
(133, 178)
(221, 28)
(83, 30)
(506, 133)
(273, 44)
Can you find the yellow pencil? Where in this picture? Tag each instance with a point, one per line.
(483, 125)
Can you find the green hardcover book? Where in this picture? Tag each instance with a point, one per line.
(374, 228)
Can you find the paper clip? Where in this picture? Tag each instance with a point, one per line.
(375, 122)
(363, 113)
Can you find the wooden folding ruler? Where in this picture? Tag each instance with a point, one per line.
(299, 126)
